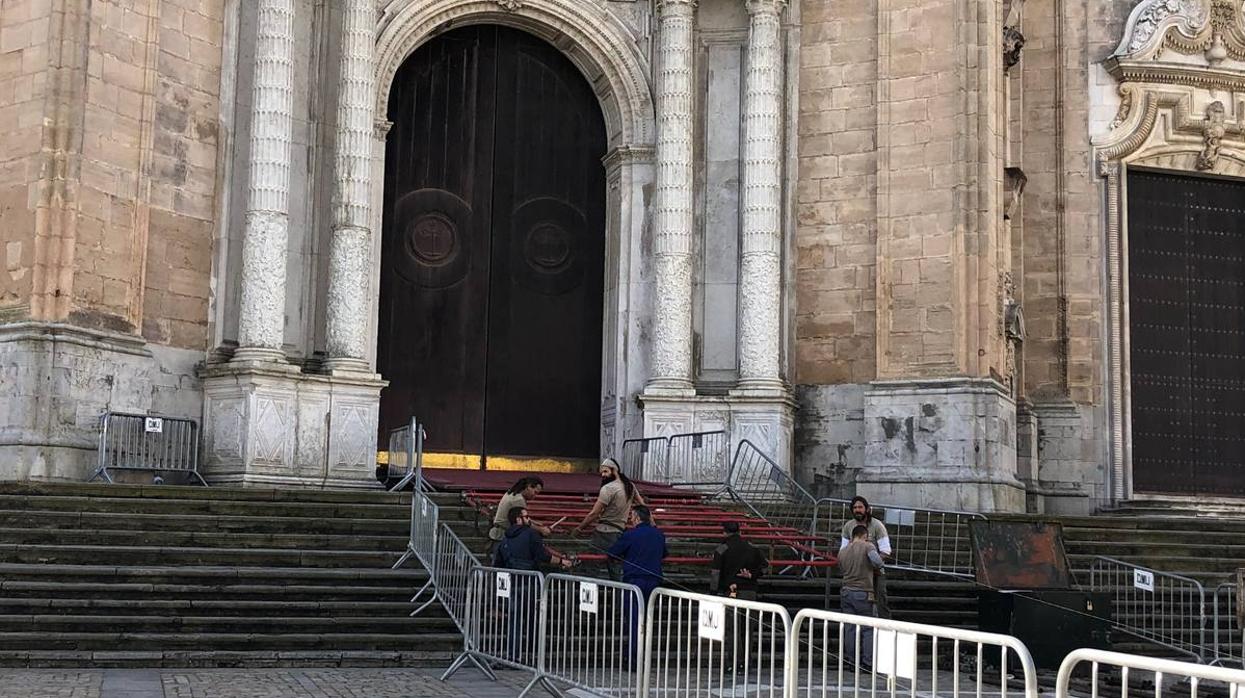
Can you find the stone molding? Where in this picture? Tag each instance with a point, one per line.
(1181, 72)
(604, 48)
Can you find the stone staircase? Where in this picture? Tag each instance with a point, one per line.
(124, 575)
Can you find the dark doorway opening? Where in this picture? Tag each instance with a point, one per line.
(1186, 279)
(493, 249)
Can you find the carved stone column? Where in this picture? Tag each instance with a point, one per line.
(672, 324)
(350, 251)
(760, 270)
(261, 323)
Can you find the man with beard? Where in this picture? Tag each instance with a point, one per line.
(608, 517)
(862, 515)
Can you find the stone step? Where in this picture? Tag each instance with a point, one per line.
(398, 624)
(159, 555)
(234, 642)
(221, 507)
(74, 659)
(138, 521)
(182, 539)
(158, 604)
(99, 490)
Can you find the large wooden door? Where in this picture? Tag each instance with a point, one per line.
(491, 279)
(1186, 249)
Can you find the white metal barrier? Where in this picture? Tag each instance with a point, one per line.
(1164, 672)
(406, 451)
(1161, 607)
(503, 622)
(451, 577)
(838, 653)
(702, 646)
(592, 635)
(147, 442)
(1229, 640)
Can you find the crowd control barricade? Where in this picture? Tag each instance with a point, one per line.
(929, 540)
(699, 459)
(406, 454)
(838, 654)
(1161, 607)
(592, 635)
(503, 622)
(1158, 676)
(766, 489)
(698, 646)
(421, 544)
(1229, 640)
(147, 442)
(451, 577)
(644, 459)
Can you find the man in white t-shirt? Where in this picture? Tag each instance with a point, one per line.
(862, 515)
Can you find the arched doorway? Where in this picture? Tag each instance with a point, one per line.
(493, 248)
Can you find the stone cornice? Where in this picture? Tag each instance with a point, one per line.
(1204, 77)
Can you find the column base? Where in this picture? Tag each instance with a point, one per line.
(262, 357)
(347, 367)
(265, 426)
(766, 422)
(669, 388)
(942, 444)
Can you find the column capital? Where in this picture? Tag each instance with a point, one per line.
(681, 6)
(772, 7)
(380, 128)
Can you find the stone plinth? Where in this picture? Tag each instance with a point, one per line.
(767, 422)
(942, 443)
(273, 427)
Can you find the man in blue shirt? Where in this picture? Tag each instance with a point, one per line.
(641, 548)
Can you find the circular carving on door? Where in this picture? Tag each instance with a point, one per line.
(548, 236)
(432, 238)
(431, 248)
(548, 248)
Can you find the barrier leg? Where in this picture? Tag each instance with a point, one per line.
(201, 480)
(410, 552)
(406, 480)
(420, 593)
(463, 659)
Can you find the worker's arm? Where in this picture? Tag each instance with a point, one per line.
(875, 559)
(592, 516)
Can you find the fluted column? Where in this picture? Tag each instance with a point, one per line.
(672, 324)
(760, 269)
(351, 247)
(261, 323)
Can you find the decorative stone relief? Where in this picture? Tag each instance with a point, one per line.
(510, 5)
(274, 430)
(261, 324)
(1212, 31)
(1013, 39)
(227, 430)
(1212, 135)
(673, 221)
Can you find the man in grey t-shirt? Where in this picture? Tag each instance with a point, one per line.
(859, 563)
(862, 515)
(608, 517)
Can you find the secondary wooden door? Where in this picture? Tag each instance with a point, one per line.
(1186, 259)
(494, 240)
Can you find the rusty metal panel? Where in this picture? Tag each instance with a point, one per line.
(1186, 261)
(1012, 555)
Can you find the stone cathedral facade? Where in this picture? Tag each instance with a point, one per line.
(971, 254)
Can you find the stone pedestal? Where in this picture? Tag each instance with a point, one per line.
(943, 443)
(272, 427)
(767, 422)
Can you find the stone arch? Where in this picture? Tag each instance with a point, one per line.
(602, 48)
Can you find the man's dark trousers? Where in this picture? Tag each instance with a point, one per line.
(857, 602)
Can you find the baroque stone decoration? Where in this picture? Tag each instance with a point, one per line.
(261, 322)
(1174, 63)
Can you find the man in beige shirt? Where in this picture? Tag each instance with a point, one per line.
(608, 517)
(522, 492)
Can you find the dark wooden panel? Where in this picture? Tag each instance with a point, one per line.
(544, 359)
(435, 266)
(1187, 333)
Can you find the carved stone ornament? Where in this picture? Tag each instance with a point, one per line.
(1013, 42)
(510, 5)
(1210, 31)
(1212, 135)
(1014, 180)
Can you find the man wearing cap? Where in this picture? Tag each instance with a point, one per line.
(608, 517)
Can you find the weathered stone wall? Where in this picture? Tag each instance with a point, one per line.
(107, 207)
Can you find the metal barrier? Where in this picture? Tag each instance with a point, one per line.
(833, 653)
(406, 450)
(450, 577)
(503, 622)
(929, 540)
(1232, 651)
(757, 481)
(697, 645)
(1163, 670)
(697, 459)
(642, 459)
(422, 542)
(591, 636)
(1164, 608)
(147, 442)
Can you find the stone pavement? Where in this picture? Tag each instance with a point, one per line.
(255, 683)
